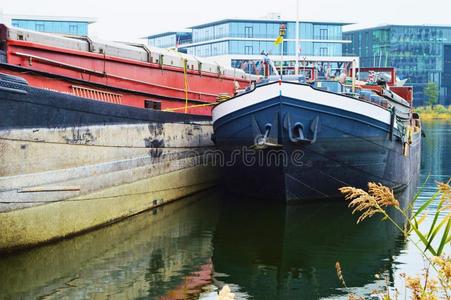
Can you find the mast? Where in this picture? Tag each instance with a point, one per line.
(281, 60)
(296, 66)
(282, 32)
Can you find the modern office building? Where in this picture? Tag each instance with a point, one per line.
(50, 24)
(446, 80)
(240, 43)
(170, 39)
(420, 54)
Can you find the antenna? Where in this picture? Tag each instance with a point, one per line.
(296, 66)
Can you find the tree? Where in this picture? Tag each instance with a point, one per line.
(431, 93)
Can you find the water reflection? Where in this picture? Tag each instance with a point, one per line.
(289, 252)
(296, 257)
(149, 255)
(264, 251)
(435, 157)
(267, 251)
(436, 150)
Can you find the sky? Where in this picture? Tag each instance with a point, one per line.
(133, 19)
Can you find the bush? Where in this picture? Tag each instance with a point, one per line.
(440, 109)
(431, 92)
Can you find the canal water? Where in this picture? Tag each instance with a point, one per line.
(186, 250)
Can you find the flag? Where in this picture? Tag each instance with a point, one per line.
(279, 40)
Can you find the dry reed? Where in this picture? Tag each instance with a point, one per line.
(340, 274)
(377, 199)
(371, 202)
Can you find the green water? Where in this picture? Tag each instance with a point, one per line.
(260, 251)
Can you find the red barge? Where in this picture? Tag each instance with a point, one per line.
(127, 74)
(84, 136)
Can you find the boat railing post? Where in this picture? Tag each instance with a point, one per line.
(281, 60)
(160, 60)
(392, 122)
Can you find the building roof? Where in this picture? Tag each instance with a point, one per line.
(387, 26)
(266, 21)
(88, 20)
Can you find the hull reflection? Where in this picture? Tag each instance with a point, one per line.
(289, 252)
(149, 255)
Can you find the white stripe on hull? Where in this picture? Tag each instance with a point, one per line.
(304, 93)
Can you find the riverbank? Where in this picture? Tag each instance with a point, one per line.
(436, 112)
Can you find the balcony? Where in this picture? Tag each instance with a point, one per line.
(198, 39)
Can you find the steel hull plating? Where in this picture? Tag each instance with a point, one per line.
(336, 148)
(69, 164)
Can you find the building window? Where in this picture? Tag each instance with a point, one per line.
(248, 32)
(323, 34)
(73, 29)
(220, 33)
(367, 39)
(248, 49)
(39, 27)
(323, 52)
(15, 24)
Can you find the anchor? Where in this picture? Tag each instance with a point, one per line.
(269, 138)
(296, 132)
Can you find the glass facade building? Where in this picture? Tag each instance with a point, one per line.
(241, 42)
(417, 52)
(61, 27)
(169, 39)
(446, 81)
(252, 37)
(50, 24)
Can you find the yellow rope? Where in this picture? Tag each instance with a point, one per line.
(185, 74)
(221, 98)
(185, 77)
(191, 106)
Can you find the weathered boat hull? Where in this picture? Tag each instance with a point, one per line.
(69, 164)
(268, 157)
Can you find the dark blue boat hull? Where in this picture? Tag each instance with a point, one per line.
(349, 150)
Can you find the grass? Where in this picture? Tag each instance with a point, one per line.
(436, 112)
(432, 240)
